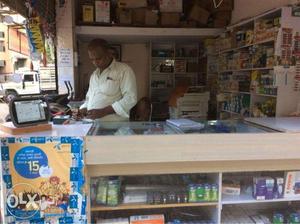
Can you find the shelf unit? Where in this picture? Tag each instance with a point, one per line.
(270, 92)
(215, 208)
(170, 64)
(167, 180)
(146, 206)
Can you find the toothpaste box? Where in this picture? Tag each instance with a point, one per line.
(147, 219)
(292, 184)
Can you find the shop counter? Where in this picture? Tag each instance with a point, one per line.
(237, 147)
(282, 124)
(77, 129)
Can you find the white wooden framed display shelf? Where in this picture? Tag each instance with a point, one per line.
(256, 78)
(215, 156)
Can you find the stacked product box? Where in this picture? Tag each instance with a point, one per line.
(267, 188)
(138, 219)
(292, 184)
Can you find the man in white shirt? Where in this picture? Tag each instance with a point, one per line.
(112, 89)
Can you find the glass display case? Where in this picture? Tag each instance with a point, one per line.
(162, 128)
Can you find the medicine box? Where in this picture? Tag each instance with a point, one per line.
(231, 189)
(102, 11)
(292, 184)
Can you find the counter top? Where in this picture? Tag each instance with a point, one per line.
(282, 124)
(162, 128)
(77, 129)
(134, 155)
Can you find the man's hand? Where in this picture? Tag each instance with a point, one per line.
(83, 112)
(78, 114)
(99, 113)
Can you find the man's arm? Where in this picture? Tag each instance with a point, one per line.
(98, 113)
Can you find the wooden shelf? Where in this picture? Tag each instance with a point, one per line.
(248, 69)
(163, 58)
(186, 58)
(248, 199)
(145, 34)
(266, 95)
(186, 73)
(228, 111)
(163, 73)
(236, 92)
(145, 206)
(246, 46)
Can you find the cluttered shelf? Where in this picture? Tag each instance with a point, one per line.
(236, 92)
(265, 95)
(247, 69)
(248, 45)
(145, 206)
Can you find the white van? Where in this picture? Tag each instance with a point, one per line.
(22, 83)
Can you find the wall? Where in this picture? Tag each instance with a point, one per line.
(135, 55)
(11, 56)
(248, 8)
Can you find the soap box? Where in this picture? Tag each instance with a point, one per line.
(147, 219)
(292, 184)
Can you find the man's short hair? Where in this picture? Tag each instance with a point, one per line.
(95, 44)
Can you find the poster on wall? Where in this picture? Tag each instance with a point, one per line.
(43, 179)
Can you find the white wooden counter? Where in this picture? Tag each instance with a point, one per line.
(283, 124)
(129, 155)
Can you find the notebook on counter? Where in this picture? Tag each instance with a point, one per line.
(185, 124)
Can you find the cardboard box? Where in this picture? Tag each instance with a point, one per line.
(102, 11)
(199, 14)
(231, 189)
(170, 5)
(147, 219)
(124, 16)
(113, 221)
(225, 5)
(87, 13)
(292, 184)
(205, 4)
(138, 16)
(188, 23)
(170, 19)
(132, 4)
(222, 15)
(151, 18)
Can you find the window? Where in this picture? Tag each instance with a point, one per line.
(2, 35)
(28, 78)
